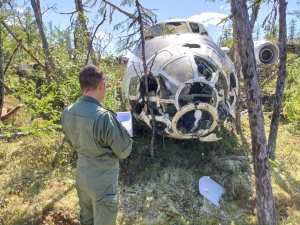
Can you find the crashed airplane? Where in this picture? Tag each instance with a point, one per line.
(194, 85)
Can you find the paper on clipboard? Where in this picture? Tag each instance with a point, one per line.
(126, 120)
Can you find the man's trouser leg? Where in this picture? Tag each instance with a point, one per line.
(86, 206)
(105, 204)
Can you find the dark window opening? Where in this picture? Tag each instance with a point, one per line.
(137, 108)
(232, 81)
(204, 33)
(205, 69)
(186, 122)
(222, 84)
(231, 99)
(152, 85)
(196, 93)
(160, 127)
(194, 27)
(171, 109)
(191, 46)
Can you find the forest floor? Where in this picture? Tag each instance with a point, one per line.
(37, 178)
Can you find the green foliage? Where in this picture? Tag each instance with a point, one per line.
(291, 100)
(37, 170)
(112, 98)
(28, 80)
(227, 42)
(271, 32)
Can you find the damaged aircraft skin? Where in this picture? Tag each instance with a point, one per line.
(193, 87)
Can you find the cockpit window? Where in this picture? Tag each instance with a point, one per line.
(169, 28)
(152, 32)
(180, 69)
(194, 27)
(176, 28)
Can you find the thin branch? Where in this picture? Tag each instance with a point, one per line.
(255, 9)
(146, 75)
(71, 13)
(11, 57)
(91, 41)
(19, 19)
(276, 73)
(29, 26)
(268, 79)
(126, 13)
(22, 45)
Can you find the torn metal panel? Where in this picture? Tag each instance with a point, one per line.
(210, 190)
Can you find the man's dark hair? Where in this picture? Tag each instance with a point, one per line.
(90, 77)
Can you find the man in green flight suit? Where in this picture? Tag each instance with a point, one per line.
(100, 141)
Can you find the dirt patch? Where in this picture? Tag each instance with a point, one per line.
(60, 218)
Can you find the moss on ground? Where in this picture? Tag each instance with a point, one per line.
(37, 179)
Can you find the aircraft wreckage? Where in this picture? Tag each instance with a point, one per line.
(194, 85)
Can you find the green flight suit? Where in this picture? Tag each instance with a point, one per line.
(100, 140)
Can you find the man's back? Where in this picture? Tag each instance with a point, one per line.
(99, 139)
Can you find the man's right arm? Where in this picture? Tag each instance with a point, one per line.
(113, 134)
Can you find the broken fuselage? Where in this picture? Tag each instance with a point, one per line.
(193, 87)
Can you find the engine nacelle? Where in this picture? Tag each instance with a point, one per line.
(266, 53)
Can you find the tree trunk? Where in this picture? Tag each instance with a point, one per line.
(1, 73)
(265, 202)
(237, 65)
(255, 9)
(82, 20)
(90, 49)
(38, 16)
(280, 80)
(147, 75)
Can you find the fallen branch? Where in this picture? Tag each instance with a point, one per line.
(11, 112)
(21, 134)
(9, 91)
(11, 57)
(12, 135)
(276, 73)
(268, 79)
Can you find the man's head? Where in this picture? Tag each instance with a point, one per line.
(92, 82)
